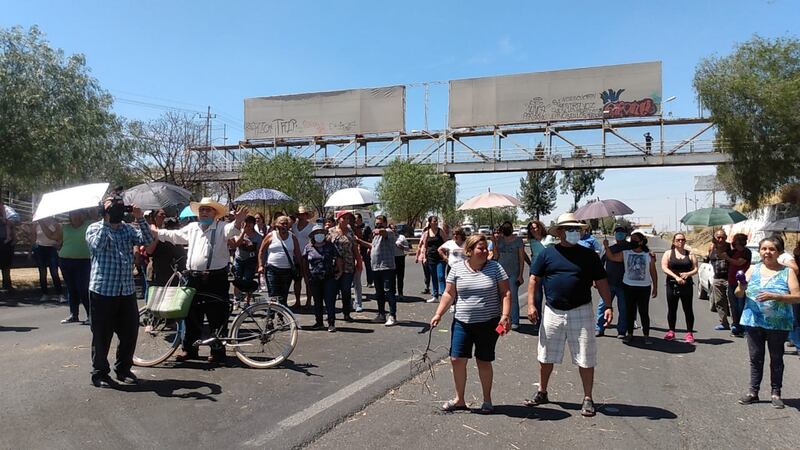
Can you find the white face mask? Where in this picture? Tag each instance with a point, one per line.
(319, 238)
(572, 236)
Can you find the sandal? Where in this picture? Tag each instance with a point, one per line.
(487, 408)
(451, 406)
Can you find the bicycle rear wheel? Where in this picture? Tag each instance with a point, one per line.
(158, 338)
(264, 335)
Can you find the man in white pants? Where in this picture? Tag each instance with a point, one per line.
(568, 271)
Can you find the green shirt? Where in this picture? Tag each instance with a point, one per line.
(74, 243)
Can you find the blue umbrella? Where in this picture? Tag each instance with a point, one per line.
(186, 213)
(267, 196)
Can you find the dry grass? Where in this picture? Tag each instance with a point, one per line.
(26, 278)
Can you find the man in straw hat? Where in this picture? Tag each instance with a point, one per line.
(207, 259)
(567, 271)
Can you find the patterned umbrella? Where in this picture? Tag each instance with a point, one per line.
(709, 217)
(601, 209)
(263, 195)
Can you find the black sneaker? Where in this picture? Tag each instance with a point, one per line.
(425, 291)
(348, 318)
(331, 328)
(102, 381)
(317, 326)
(539, 399)
(748, 399)
(587, 409)
(128, 378)
(70, 319)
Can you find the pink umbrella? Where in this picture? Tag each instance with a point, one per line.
(602, 208)
(489, 200)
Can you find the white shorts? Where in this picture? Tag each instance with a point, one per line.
(575, 326)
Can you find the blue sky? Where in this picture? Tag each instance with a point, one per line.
(154, 55)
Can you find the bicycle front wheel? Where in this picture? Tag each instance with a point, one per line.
(264, 335)
(158, 338)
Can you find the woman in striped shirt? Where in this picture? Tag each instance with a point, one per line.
(484, 303)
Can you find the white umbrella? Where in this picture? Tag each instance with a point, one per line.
(351, 197)
(71, 199)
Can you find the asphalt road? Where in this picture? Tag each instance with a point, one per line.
(354, 389)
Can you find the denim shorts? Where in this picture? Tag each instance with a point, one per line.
(481, 335)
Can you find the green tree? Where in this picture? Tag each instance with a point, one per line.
(56, 126)
(290, 174)
(753, 96)
(537, 192)
(409, 190)
(579, 183)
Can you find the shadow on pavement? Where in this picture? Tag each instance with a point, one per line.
(171, 388)
(620, 410)
(660, 345)
(423, 326)
(528, 328)
(713, 341)
(533, 413)
(354, 330)
(792, 403)
(302, 368)
(17, 329)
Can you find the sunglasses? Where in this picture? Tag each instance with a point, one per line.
(680, 240)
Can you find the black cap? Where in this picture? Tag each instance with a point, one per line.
(620, 227)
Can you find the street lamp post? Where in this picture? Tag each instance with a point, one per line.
(661, 121)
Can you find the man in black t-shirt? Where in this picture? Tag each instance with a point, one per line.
(568, 271)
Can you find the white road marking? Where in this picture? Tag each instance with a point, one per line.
(327, 402)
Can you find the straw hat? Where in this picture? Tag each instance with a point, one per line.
(207, 201)
(566, 220)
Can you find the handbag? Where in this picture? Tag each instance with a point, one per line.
(295, 268)
(170, 302)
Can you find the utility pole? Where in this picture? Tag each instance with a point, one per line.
(208, 118)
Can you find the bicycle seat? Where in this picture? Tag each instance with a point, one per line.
(246, 286)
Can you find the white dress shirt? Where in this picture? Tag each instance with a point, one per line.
(198, 242)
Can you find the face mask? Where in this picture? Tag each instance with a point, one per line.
(619, 236)
(636, 244)
(506, 231)
(207, 221)
(318, 238)
(572, 236)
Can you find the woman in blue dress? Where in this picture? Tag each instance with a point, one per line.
(769, 290)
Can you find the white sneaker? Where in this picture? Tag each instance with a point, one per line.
(62, 299)
(380, 318)
(390, 321)
(432, 300)
(359, 309)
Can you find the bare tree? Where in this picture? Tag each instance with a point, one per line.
(161, 149)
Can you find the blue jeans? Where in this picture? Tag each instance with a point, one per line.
(324, 291)
(76, 277)
(514, 288)
(794, 335)
(384, 290)
(345, 283)
(437, 277)
(47, 258)
(616, 292)
(278, 281)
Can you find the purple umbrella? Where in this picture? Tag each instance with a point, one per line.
(602, 208)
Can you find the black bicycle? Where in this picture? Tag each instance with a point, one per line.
(263, 333)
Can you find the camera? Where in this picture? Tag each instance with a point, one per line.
(116, 204)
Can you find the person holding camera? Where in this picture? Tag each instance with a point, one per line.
(111, 291)
(207, 269)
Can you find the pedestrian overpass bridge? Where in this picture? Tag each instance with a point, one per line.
(589, 144)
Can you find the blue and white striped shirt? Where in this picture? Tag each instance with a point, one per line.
(478, 298)
(112, 256)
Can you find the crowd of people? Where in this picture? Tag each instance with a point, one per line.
(475, 278)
